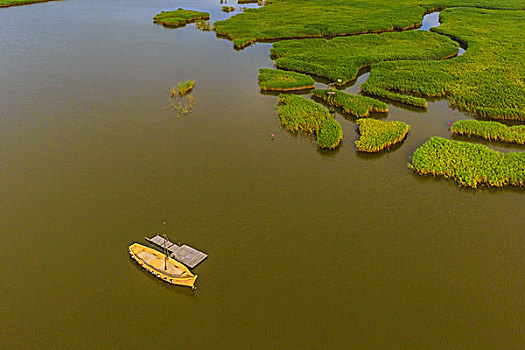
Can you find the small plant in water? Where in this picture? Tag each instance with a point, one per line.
(183, 88)
(228, 9)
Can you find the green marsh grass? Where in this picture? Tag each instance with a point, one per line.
(469, 164)
(490, 130)
(179, 17)
(487, 80)
(291, 19)
(8, 3)
(341, 58)
(280, 80)
(377, 135)
(358, 106)
(330, 135)
(299, 114)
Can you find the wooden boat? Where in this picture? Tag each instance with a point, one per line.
(162, 266)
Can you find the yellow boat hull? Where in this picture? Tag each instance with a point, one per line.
(170, 270)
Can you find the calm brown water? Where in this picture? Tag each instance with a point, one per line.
(307, 249)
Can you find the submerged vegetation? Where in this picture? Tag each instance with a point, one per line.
(179, 17)
(469, 164)
(358, 106)
(377, 135)
(340, 59)
(490, 130)
(203, 25)
(487, 80)
(300, 114)
(280, 80)
(183, 88)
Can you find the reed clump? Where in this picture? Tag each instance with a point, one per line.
(203, 25)
(469, 164)
(330, 135)
(341, 58)
(358, 106)
(377, 135)
(183, 88)
(485, 81)
(179, 17)
(490, 130)
(280, 80)
(228, 9)
(299, 114)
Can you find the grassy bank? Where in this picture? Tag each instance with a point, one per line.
(179, 17)
(487, 80)
(280, 80)
(489, 130)
(340, 59)
(358, 106)
(8, 3)
(377, 135)
(299, 114)
(469, 164)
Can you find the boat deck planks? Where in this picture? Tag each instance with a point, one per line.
(187, 255)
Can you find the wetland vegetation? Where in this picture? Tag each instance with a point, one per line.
(299, 114)
(377, 135)
(280, 80)
(469, 164)
(179, 17)
(228, 9)
(340, 59)
(490, 130)
(183, 88)
(358, 106)
(487, 80)
(8, 3)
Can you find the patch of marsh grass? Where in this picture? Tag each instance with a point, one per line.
(280, 80)
(377, 135)
(179, 17)
(469, 164)
(490, 130)
(358, 106)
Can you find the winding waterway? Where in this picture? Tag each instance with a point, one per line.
(307, 249)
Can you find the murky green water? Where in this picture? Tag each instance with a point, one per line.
(307, 249)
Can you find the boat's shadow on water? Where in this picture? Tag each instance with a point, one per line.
(171, 288)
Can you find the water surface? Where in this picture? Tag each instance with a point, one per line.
(307, 249)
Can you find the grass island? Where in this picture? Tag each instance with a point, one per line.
(377, 135)
(280, 80)
(179, 17)
(469, 164)
(490, 130)
(299, 114)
